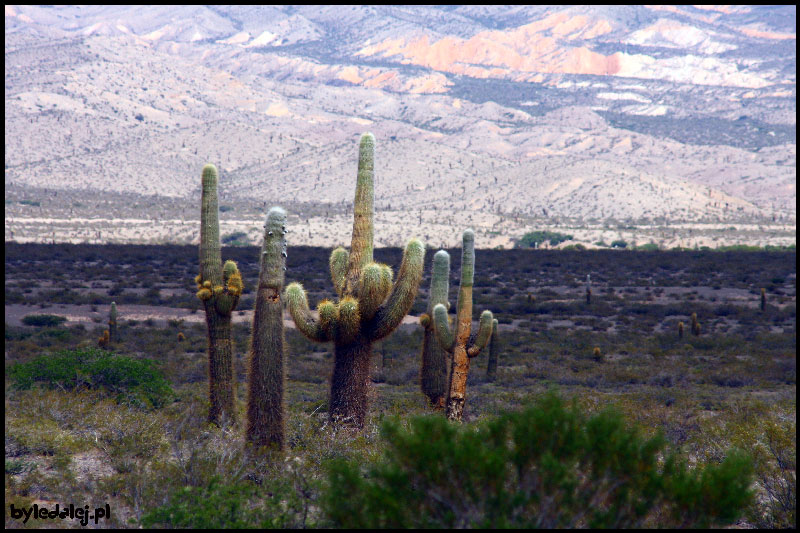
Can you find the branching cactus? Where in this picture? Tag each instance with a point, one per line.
(494, 349)
(459, 343)
(113, 336)
(219, 287)
(265, 403)
(369, 305)
(433, 375)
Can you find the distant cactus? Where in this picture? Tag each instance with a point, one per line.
(266, 378)
(219, 287)
(369, 306)
(763, 299)
(181, 337)
(588, 289)
(459, 343)
(113, 336)
(680, 330)
(695, 325)
(491, 366)
(103, 341)
(433, 375)
(597, 355)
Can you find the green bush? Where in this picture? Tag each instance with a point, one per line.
(529, 240)
(134, 381)
(43, 320)
(241, 505)
(546, 466)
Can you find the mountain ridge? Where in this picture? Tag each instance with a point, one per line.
(113, 99)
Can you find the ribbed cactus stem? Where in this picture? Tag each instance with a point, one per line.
(363, 214)
(219, 288)
(491, 365)
(433, 372)
(588, 288)
(112, 324)
(266, 378)
(370, 306)
(459, 343)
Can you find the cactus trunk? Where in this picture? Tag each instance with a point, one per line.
(113, 336)
(350, 383)
(266, 377)
(220, 367)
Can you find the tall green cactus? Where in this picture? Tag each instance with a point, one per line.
(433, 374)
(369, 305)
(219, 288)
(460, 344)
(266, 378)
(113, 336)
(494, 349)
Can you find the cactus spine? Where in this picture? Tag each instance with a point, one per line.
(113, 336)
(433, 375)
(219, 288)
(265, 402)
(491, 366)
(459, 343)
(369, 306)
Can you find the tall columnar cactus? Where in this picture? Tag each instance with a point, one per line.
(680, 330)
(219, 287)
(113, 336)
(433, 374)
(369, 305)
(588, 289)
(460, 344)
(494, 349)
(265, 404)
(763, 299)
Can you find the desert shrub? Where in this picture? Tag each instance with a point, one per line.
(134, 381)
(546, 466)
(535, 238)
(43, 320)
(238, 505)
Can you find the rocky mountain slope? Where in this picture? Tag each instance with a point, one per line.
(506, 118)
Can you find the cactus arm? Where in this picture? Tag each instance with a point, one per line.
(328, 313)
(210, 254)
(348, 327)
(444, 335)
(338, 266)
(297, 301)
(484, 334)
(390, 314)
(376, 282)
(363, 214)
(232, 286)
(440, 280)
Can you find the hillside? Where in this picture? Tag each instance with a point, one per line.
(504, 118)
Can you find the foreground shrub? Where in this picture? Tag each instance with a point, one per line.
(134, 381)
(547, 466)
